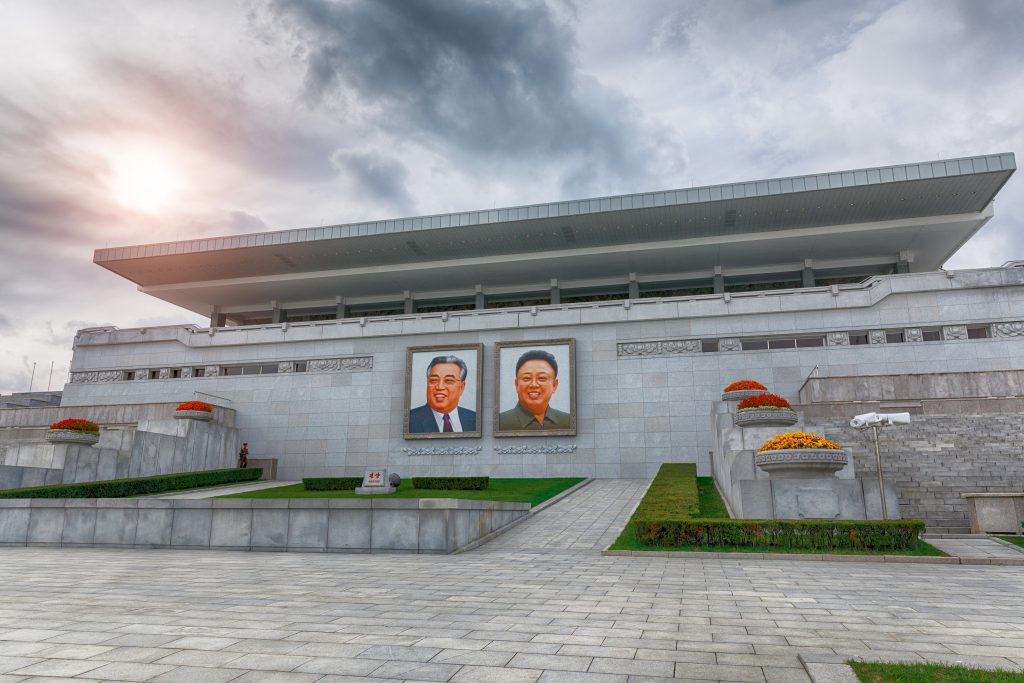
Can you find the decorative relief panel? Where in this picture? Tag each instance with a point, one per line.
(729, 345)
(212, 370)
(340, 364)
(141, 375)
(838, 338)
(876, 337)
(285, 367)
(658, 348)
(186, 373)
(165, 373)
(443, 450)
(543, 449)
(954, 332)
(913, 334)
(96, 377)
(1008, 330)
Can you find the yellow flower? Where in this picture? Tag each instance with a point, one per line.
(797, 440)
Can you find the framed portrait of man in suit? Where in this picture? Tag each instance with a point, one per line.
(535, 392)
(443, 391)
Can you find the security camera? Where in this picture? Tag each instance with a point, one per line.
(880, 419)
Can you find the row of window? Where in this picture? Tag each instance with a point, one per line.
(223, 371)
(928, 334)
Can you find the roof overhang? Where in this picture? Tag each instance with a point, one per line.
(836, 220)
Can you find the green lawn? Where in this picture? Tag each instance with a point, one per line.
(532, 491)
(1016, 540)
(929, 673)
(711, 504)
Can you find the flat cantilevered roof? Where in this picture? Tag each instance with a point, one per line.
(925, 210)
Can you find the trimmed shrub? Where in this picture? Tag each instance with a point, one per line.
(807, 534)
(75, 425)
(331, 483)
(195, 405)
(452, 483)
(746, 385)
(140, 486)
(672, 495)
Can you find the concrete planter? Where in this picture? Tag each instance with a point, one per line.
(801, 463)
(741, 394)
(200, 415)
(759, 418)
(71, 436)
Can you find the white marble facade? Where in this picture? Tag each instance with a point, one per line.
(644, 386)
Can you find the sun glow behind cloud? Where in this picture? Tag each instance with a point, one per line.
(144, 179)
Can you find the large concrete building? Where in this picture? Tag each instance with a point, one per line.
(669, 296)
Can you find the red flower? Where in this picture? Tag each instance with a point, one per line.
(75, 425)
(763, 401)
(195, 405)
(746, 385)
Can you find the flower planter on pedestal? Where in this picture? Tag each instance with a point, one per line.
(72, 436)
(201, 415)
(740, 394)
(758, 418)
(801, 463)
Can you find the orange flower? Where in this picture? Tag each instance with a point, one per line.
(75, 425)
(762, 401)
(797, 440)
(196, 405)
(746, 385)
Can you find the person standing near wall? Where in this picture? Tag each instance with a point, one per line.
(243, 456)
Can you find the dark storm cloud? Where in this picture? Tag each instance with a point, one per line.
(381, 176)
(488, 81)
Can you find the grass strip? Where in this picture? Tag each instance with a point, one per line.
(870, 672)
(138, 486)
(1016, 540)
(532, 491)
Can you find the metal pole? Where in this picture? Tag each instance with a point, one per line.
(50, 378)
(878, 465)
(32, 378)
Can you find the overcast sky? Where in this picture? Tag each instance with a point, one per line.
(136, 122)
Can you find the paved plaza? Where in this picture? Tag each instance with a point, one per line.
(539, 603)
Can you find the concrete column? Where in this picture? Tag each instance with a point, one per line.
(340, 309)
(278, 315)
(718, 282)
(480, 301)
(218, 319)
(410, 305)
(808, 273)
(634, 287)
(556, 292)
(905, 259)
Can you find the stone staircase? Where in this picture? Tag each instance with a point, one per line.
(936, 458)
(33, 399)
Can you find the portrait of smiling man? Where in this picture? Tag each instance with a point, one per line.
(536, 380)
(446, 382)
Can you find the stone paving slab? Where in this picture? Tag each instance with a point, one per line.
(539, 604)
(226, 490)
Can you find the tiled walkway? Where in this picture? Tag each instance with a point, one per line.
(976, 547)
(540, 604)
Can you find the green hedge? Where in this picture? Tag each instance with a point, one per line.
(452, 483)
(807, 534)
(669, 516)
(332, 483)
(140, 486)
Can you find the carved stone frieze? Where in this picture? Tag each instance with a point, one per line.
(443, 450)
(681, 346)
(96, 376)
(141, 375)
(954, 332)
(640, 349)
(186, 373)
(659, 348)
(838, 338)
(165, 373)
(542, 449)
(730, 344)
(876, 337)
(340, 364)
(913, 334)
(212, 371)
(285, 367)
(1008, 330)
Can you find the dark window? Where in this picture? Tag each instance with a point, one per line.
(933, 334)
(300, 366)
(268, 369)
(809, 342)
(199, 372)
(755, 344)
(977, 332)
(129, 374)
(781, 343)
(230, 372)
(154, 374)
(250, 369)
(176, 373)
(709, 345)
(858, 338)
(894, 338)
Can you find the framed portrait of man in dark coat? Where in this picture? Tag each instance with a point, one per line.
(443, 391)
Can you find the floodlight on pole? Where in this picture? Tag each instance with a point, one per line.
(876, 420)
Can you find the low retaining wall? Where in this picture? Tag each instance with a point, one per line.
(996, 513)
(426, 525)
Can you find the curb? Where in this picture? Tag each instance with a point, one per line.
(799, 557)
(534, 510)
(828, 672)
